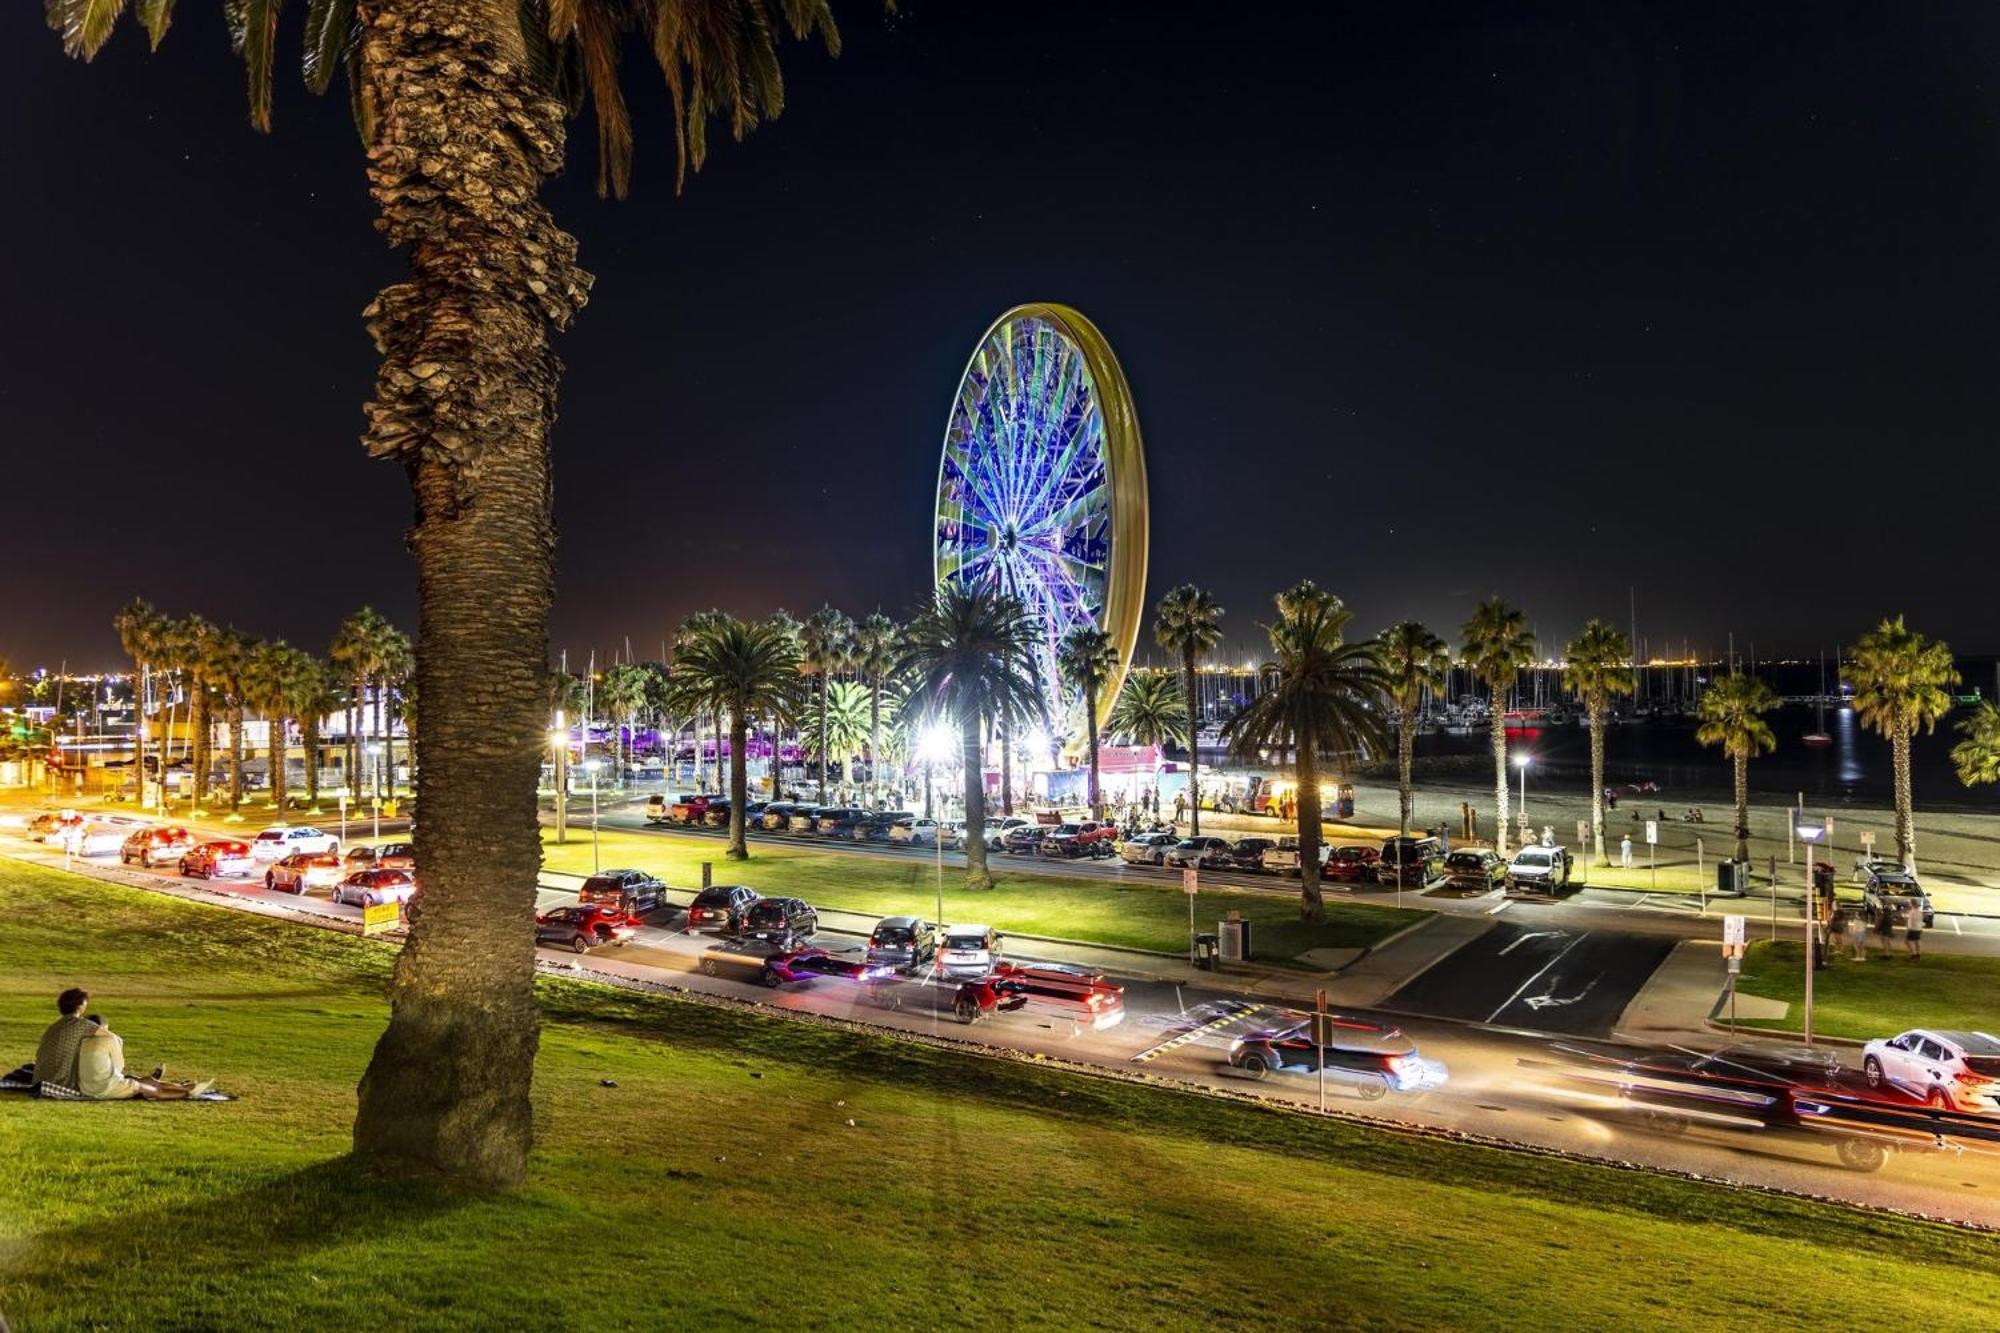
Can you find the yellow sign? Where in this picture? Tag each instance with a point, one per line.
(379, 917)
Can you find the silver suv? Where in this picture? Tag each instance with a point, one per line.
(1958, 1071)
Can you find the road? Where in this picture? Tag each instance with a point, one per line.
(1491, 1093)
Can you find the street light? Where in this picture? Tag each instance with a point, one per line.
(1521, 761)
(375, 768)
(591, 766)
(1808, 834)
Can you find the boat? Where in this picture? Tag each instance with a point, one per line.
(1819, 736)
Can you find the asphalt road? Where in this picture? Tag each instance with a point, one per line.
(1183, 1033)
(1539, 977)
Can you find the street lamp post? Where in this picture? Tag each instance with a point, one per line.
(591, 766)
(1808, 834)
(559, 739)
(1521, 761)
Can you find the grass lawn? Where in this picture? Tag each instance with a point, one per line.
(1133, 912)
(722, 1183)
(1880, 997)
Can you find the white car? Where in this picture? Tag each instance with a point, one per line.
(915, 832)
(968, 951)
(1203, 852)
(996, 830)
(1148, 849)
(281, 840)
(1959, 1071)
(96, 839)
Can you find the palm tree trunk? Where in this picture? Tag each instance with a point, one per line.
(1006, 767)
(718, 749)
(1906, 823)
(236, 714)
(381, 732)
(140, 678)
(1189, 685)
(1406, 755)
(977, 876)
(277, 747)
(198, 718)
(875, 737)
(822, 737)
(1090, 730)
(1498, 727)
(351, 778)
(1596, 706)
(465, 400)
(1742, 762)
(739, 782)
(1312, 903)
(309, 733)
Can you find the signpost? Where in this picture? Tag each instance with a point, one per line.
(1190, 885)
(379, 917)
(1652, 841)
(1734, 941)
(1322, 1029)
(343, 819)
(1701, 875)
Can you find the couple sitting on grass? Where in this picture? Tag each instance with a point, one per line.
(82, 1058)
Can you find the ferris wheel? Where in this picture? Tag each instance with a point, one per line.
(1042, 487)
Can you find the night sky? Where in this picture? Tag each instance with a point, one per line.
(1423, 302)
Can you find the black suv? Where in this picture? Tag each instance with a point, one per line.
(906, 943)
(633, 891)
(1408, 860)
(723, 907)
(1248, 853)
(786, 920)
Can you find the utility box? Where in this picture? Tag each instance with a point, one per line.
(1234, 938)
(1732, 878)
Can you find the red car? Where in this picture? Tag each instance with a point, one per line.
(691, 809)
(1079, 997)
(582, 925)
(1350, 865)
(155, 847)
(225, 856)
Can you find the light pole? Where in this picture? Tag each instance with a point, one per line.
(1521, 761)
(591, 766)
(1808, 833)
(559, 740)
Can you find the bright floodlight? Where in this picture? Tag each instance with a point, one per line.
(1523, 760)
(1810, 832)
(592, 765)
(936, 743)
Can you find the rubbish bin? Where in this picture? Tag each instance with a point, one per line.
(1344, 803)
(1204, 952)
(1732, 878)
(1235, 941)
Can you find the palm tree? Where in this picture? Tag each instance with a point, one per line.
(1188, 624)
(266, 687)
(230, 662)
(1088, 660)
(1902, 684)
(461, 105)
(1732, 717)
(395, 664)
(1321, 700)
(745, 671)
(875, 657)
(1497, 645)
(140, 628)
(357, 654)
(1150, 711)
(692, 628)
(194, 647)
(622, 693)
(839, 721)
(1415, 660)
(969, 656)
(317, 693)
(826, 639)
(1597, 665)
(1977, 757)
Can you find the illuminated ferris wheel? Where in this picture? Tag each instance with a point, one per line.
(1042, 488)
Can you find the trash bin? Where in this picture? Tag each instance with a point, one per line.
(1344, 802)
(1732, 878)
(1204, 952)
(1235, 940)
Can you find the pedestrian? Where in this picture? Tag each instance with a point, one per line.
(1548, 835)
(1625, 851)
(1913, 929)
(1857, 937)
(1885, 926)
(1180, 806)
(1836, 931)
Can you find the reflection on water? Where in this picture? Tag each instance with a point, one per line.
(1845, 727)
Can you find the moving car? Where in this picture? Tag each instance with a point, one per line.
(716, 813)
(914, 832)
(1283, 859)
(1078, 997)
(968, 951)
(583, 926)
(722, 907)
(301, 871)
(1371, 1059)
(786, 920)
(1474, 869)
(658, 807)
(367, 888)
(1406, 860)
(631, 891)
(877, 827)
(778, 965)
(51, 826)
(689, 809)
(1148, 849)
(1955, 1070)
(389, 856)
(224, 856)
(94, 839)
(1886, 886)
(838, 821)
(1202, 853)
(281, 840)
(906, 943)
(152, 847)
(802, 819)
(1538, 869)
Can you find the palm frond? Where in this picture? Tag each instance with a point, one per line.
(155, 16)
(84, 24)
(328, 24)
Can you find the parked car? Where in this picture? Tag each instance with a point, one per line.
(301, 871)
(633, 892)
(1202, 853)
(1024, 839)
(1408, 860)
(996, 831)
(1283, 858)
(152, 847)
(776, 816)
(282, 840)
(1248, 853)
(1474, 869)
(583, 926)
(1078, 997)
(1537, 869)
(95, 839)
(803, 819)
(1372, 1060)
(716, 813)
(223, 856)
(906, 943)
(389, 856)
(1886, 886)
(1959, 1071)
(968, 951)
(1148, 849)
(792, 920)
(838, 821)
(368, 888)
(658, 809)
(722, 907)
(913, 832)
(1349, 864)
(690, 809)
(1079, 838)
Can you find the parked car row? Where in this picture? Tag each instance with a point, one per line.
(848, 823)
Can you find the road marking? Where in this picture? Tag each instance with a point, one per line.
(1537, 977)
(1192, 1034)
(1954, 927)
(1504, 904)
(1520, 940)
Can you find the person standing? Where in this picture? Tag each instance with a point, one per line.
(1625, 852)
(1913, 929)
(1857, 937)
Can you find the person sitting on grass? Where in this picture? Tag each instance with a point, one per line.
(80, 1055)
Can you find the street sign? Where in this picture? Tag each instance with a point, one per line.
(378, 917)
(1190, 880)
(1734, 930)
(1868, 840)
(1652, 831)
(1322, 1029)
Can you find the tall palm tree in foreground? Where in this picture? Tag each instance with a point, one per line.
(1188, 624)
(743, 671)
(1415, 660)
(461, 105)
(1321, 700)
(1977, 757)
(875, 642)
(1598, 664)
(1497, 646)
(1150, 711)
(1088, 659)
(967, 657)
(192, 648)
(1902, 685)
(1732, 718)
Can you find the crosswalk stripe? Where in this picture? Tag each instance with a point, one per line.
(1193, 1033)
